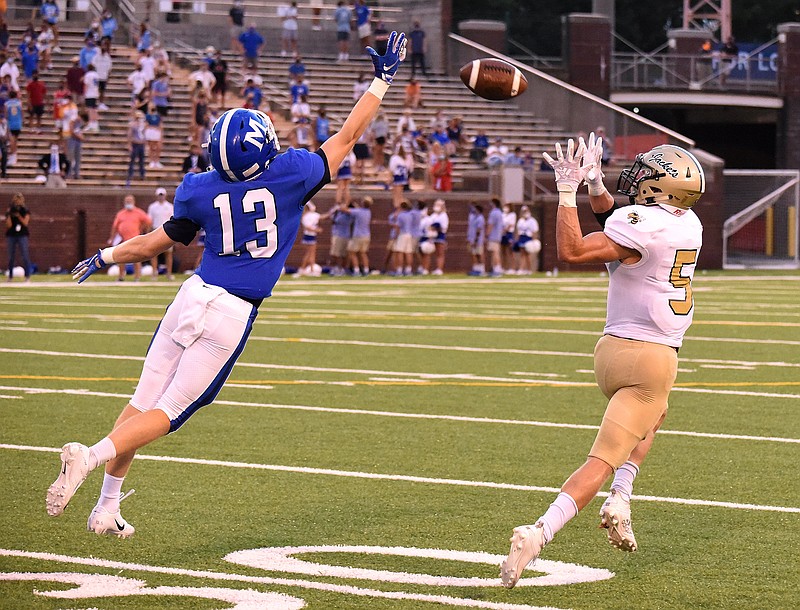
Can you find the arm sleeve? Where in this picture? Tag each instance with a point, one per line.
(603, 216)
(181, 230)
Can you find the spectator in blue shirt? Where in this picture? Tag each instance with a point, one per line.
(343, 16)
(145, 38)
(30, 60)
(358, 246)
(341, 229)
(88, 53)
(251, 42)
(299, 89)
(404, 242)
(476, 233)
(252, 94)
(322, 126)
(363, 23)
(417, 39)
(108, 24)
(494, 237)
(298, 68)
(50, 12)
(479, 145)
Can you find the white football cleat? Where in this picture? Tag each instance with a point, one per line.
(526, 544)
(615, 516)
(74, 469)
(101, 521)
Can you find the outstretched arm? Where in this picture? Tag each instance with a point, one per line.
(337, 146)
(136, 250)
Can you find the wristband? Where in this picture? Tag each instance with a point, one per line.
(566, 199)
(378, 88)
(596, 189)
(107, 255)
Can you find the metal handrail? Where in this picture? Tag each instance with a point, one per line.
(530, 54)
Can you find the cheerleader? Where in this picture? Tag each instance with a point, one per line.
(527, 246)
(310, 223)
(399, 168)
(440, 222)
(344, 176)
(507, 240)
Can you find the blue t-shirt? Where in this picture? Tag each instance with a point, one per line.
(481, 142)
(405, 221)
(475, 225)
(251, 41)
(416, 222)
(49, 11)
(322, 129)
(87, 56)
(159, 90)
(341, 224)
(257, 95)
(297, 69)
(154, 120)
(362, 14)
(251, 226)
(109, 26)
(14, 114)
(30, 61)
(417, 37)
(297, 90)
(145, 41)
(342, 17)
(496, 225)
(361, 220)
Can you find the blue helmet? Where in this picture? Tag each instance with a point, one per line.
(241, 144)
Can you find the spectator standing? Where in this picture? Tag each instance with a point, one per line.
(341, 229)
(360, 87)
(343, 16)
(300, 110)
(316, 11)
(37, 96)
(299, 89)
(160, 211)
(476, 233)
(425, 237)
(160, 92)
(88, 53)
(148, 64)
(145, 40)
(297, 68)
(137, 83)
(94, 32)
(363, 24)
(108, 24)
(199, 119)
(14, 117)
(251, 42)
(195, 162)
(608, 145)
(391, 221)
(527, 245)
(10, 69)
(5, 136)
(17, 232)
(361, 151)
(380, 135)
(203, 76)
(507, 241)
(74, 144)
(129, 222)
(4, 34)
(49, 12)
(236, 18)
(311, 229)
(55, 165)
(443, 174)
(406, 121)
(5, 90)
(252, 94)
(494, 238)
(322, 126)
(358, 246)
(289, 33)
(440, 223)
(398, 168)
(61, 96)
(161, 59)
(455, 132)
(417, 40)
(153, 134)
(302, 136)
(136, 144)
(404, 243)
(413, 94)
(102, 65)
(30, 60)
(91, 89)
(75, 76)
(219, 68)
(381, 37)
(344, 176)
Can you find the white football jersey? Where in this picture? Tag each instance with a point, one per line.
(651, 300)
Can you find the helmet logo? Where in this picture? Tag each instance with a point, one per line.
(257, 134)
(659, 160)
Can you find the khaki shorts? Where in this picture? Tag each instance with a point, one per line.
(636, 377)
(358, 244)
(493, 246)
(404, 243)
(338, 246)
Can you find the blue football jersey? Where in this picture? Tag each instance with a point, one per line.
(250, 226)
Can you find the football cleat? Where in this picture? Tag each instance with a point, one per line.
(74, 469)
(615, 516)
(526, 544)
(101, 522)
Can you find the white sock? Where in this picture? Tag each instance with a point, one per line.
(101, 452)
(110, 493)
(557, 515)
(623, 480)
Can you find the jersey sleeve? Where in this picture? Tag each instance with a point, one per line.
(181, 230)
(180, 206)
(315, 171)
(628, 229)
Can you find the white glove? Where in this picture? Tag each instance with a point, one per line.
(568, 170)
(594, 155)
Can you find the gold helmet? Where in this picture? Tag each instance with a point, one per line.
(666, 174)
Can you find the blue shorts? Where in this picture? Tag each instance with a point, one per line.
(507, 239)
(520, 243)
(309, 239)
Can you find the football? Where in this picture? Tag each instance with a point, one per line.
(493, 79)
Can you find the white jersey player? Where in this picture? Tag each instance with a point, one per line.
(650, 249)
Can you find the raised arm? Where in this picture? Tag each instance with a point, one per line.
(338, 145)
(136, 250)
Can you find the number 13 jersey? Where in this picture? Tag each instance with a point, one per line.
(651, 300)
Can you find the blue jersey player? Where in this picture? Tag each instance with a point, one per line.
(249, 206)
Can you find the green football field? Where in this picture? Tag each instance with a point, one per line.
(380, 438)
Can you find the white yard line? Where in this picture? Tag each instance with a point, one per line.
(411, 415)
(416, 479)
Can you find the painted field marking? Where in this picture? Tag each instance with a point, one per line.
(415, 479)
(405, 415)
(267, 580)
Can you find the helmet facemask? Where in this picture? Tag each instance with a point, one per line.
(666, 175)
